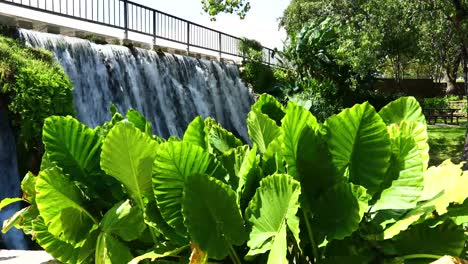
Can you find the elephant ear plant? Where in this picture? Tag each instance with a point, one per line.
(355, 189)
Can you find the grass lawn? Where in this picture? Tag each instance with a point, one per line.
(446, 142)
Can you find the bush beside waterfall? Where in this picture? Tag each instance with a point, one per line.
(32, 86)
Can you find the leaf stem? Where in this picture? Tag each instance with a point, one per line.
(311, 235)
(232, 253)
(422, 256)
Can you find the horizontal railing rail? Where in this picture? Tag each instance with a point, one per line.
(133, 17)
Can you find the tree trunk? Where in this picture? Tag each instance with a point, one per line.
(451, 76)
(465, 79)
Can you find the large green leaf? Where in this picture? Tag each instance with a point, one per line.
(296, 120)
(273, 160)
(418, 130)
(14, 220)
(127, 155)
(220, 139)
(269, 106)
(124, 220)
(174, 162)
(22, 220)
(109, 250)
(73, 146)
(339, 210)
(444, 239)
(402, 109)
(443, 186)
(60, 250)
(272, 210)
(156, 254)
(314, 167)
(195, 133)
(447, 180)
(242, 165)
(139, 121)
(28, 186)
(232, 162)
(154, 220)
(63, 207)
(407, 111)
(212, 215)
(262, 130)
(402, 222)
(7, 201)
(406, 170)
(360, 145)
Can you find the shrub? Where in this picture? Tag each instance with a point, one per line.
(354, 189)
(34, 87)
(436, 102)
(254, 73)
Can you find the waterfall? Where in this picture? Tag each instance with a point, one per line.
(169, 90)
(9, 181)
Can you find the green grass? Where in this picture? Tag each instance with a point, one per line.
(446, 142)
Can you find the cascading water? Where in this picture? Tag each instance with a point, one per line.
(9, 181)
(169, 90)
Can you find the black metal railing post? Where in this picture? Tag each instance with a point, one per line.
(219, 45)
(188, 37)
(154, 28)
(125, 2)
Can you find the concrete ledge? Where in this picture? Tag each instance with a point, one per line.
(25, 257)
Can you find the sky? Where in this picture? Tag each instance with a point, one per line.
(261, 22)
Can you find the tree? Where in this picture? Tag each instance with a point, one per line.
(214, 7)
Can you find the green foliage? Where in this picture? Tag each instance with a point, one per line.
(254, 72)
(436, 102)
(353, 189)
(34, 87)
(214, 7)
(395, 37)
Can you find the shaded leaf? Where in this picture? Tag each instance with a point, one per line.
(444, 239)
(271, 211)
(109, 250)
(273, 160)
(124, 220)
(212, 215)
(269, 106)
(296, 120)
(339, 210)
(314, 167)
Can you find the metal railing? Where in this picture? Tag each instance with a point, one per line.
(133, 17)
